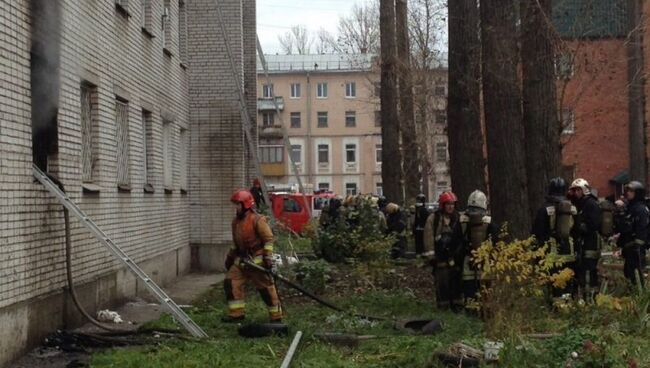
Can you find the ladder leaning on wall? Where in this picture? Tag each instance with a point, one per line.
(164, 299)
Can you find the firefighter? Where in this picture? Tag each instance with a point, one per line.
(443, 240)
(476, 227)
(552, 225)
(586, 236)
(258, 194)
(395, 225)
(420, 220)
(330, 214)
(253, 241)
(633, 232)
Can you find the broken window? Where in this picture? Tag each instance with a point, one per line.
(122, 137)
(184, 150)
(87, 93)
(168, 158)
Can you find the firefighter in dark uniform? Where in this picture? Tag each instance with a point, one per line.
(421, 215)
(476, 227)
(443, 241)
(395, 225)
(585, 232)
(552, 226)
(633, 231)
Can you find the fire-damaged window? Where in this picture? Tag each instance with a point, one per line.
(168, 156)
(122, 138)
(183, 159)
(88, 95)
(45, 58)
(147, 150)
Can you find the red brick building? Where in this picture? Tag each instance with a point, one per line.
(593, 90)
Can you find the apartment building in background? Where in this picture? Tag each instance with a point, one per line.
(131, 105)
(329, 107)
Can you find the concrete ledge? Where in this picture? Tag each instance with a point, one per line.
(26, 324)
(209, 257)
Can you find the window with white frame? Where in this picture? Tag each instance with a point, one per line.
(296, 153)
(323, 153)
(322, 119)
(324, 186)
(441, 152)
(350, 119)
(87, 94)
(268, 119)
(378, 153)
(122, 139)
(182, 31)
(271, 151)
(267, 90)
(295, 119)
(351, 153)
(351, 188)
(568, 121)
(184, 143)
(350, 90)
(321, 90)
(168, 155)
(295, 90)
(379, 189)
(147, 146)
(166, 27)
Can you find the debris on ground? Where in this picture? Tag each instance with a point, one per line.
(460, 355)
(109, 316)
(419, 326)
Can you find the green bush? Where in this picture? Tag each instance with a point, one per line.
(314, 275)
(356, 233)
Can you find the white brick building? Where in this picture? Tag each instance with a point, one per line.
(148, 142)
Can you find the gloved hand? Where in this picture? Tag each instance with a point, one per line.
(268, 263)
(229, 262)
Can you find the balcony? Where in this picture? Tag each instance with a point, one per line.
(266, 104)
(270, 131)
(274, 169)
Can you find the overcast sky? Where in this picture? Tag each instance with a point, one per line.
(275, 17)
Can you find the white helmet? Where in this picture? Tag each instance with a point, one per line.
(582, 184)
(477, 199)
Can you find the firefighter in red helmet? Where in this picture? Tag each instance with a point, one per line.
(443, 241)
(253, 241)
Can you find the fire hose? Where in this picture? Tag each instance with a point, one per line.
(276, 276)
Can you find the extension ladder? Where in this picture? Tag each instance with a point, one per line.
(165, 300)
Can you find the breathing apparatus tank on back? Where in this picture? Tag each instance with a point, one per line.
(607, 214)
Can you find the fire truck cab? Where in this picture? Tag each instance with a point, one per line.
(289, 207)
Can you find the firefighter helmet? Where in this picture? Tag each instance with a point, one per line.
(446, 197)
(638, 188)
(477, 199)
(582, 184)
(421, 198)
(244, 197)
(392, 208)
(557, 186)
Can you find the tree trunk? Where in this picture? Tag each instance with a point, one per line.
(541, 125)
(638, 161)
(503, 117)
(391, 156)
(411, 159)
(467, 160)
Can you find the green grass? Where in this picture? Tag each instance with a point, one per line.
(602, 339)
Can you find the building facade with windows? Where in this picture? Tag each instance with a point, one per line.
(130, 104)
(329, 107)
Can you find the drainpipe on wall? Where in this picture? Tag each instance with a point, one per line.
(636, 95)
(308, 144)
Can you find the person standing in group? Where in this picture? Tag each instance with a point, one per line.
(443, 240)
(633, 230)
(420, 220)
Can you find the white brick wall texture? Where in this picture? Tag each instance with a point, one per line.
(98, 40)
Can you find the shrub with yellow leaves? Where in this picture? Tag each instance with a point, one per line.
(516, 276)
